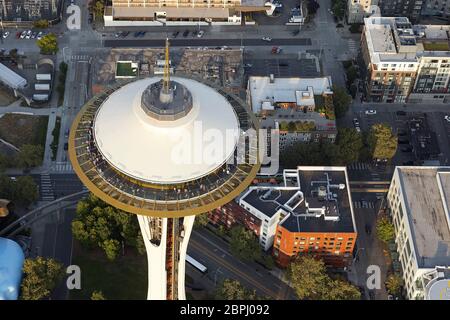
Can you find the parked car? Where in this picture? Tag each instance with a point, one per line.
(117, 35)
(66, 146)
(371, 112)
(401, 113)
(29, 33)
(295, 32)
(200, 34)
(18, 34)
(175, 34)
(137, 34)
(33, 35)
(447, 118)
(268, 39)
(125, 34)
(368, 229)
(185, 33)
(276, 50)
(5, 34)
(23, 34)
(39, 35)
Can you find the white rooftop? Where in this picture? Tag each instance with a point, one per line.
(166, 151)
(286, 90)
(427, 197)
(10, 78)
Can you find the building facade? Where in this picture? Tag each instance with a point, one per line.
(402, 8)
(405, 63)
(418, 200)
(357, 10)
(30, 10)
(310, 212)
(179, 12)
(301, 109)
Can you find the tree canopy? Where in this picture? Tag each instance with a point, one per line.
(234, 290)
(382, 142)
(40, 277)
(394, 283)
(22, 191)
(201, 220)
(30, 155)
(100, 225)
(349, 144)
(385, 229)
(244, 244)
(309, 278)
(97, 295)
(341, 101)
(48, 44)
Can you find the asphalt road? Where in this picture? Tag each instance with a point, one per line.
(213, 252)
(188, 42)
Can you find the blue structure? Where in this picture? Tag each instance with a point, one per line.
(11, 263)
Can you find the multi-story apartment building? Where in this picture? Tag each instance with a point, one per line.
(311, 212)
(437, 7)
(357, 10)
(403, 62)
(419, 200)
(29, 10)
(402, 8)
(180, 12)
(300, 108)
(433, 75)
(388, 48)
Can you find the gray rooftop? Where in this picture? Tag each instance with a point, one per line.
(427, 196)
(309, 181)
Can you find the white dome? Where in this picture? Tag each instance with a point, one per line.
(166, 151)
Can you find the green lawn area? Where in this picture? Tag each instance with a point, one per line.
(20, 129)
(124, 69)
(436, 46)
(123, 279)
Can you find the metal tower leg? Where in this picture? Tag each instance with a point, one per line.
(166, 241)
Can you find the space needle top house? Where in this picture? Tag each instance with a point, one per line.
(150, 147)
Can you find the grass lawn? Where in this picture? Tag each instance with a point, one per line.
(124, 69)
(436, 46)
(55, 134)
(20, 129)
(123, 279)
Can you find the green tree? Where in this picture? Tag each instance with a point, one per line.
(385, 230)
(382, 142)
(244, 244)
(291, 126)
(40, 277)
(234, 290)
(98, 8)
(341, 290)
(394, 283)
(201, 220)
(352, 74)
(341, 101)
(25, 190)
(41, 24)
(311, 153)
(308, 277)
(48, 44)
(30, 156)
(99, 225)
(97, 295)
(349, 145)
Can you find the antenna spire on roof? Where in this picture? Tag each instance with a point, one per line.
(166, 83)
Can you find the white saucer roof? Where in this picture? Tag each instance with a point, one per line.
(166, 152)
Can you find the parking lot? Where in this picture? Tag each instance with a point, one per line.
(435, 132)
